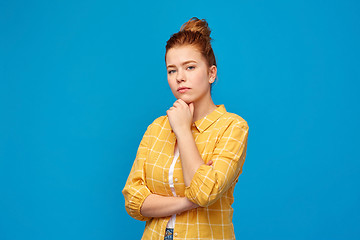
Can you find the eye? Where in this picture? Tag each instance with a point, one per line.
(191, 67)
(171, 71)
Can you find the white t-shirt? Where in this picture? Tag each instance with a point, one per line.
(171, 223)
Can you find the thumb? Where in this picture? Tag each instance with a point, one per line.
(191, 106)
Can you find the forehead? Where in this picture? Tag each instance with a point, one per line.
(178, 55)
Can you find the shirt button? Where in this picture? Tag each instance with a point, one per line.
(178, 160)
(176, 179)
(175, 234)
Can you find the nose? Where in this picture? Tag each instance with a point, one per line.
(180, 76)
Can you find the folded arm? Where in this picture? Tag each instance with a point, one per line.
(206, 184)
(161, 206)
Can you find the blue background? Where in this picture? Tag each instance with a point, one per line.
(81, 80)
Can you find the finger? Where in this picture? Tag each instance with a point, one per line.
(181, 103)
(178, 101)
(176, 104)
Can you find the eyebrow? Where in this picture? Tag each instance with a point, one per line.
(184, 63)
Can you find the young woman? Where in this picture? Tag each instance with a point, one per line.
(188, 162)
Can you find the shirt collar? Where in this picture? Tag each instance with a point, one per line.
(207, 121)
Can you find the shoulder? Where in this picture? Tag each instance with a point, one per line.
(159, 123)
(232, 119)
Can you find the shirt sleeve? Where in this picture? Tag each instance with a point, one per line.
(209, 183)
(135, 190)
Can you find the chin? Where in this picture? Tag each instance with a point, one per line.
(185, 99)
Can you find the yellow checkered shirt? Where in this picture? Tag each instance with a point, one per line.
(221, 137)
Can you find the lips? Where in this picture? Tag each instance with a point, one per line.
(183, 89)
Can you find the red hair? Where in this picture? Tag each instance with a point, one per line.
(194, 32)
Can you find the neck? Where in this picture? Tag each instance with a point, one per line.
(202, 109)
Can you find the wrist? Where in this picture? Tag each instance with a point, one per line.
(188, 205)
(183, 133)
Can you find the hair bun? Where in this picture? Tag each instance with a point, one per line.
(196, 33)
(197, 25)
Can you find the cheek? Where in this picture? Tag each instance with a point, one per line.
(171, 84)
(202, 81)
(169, 81)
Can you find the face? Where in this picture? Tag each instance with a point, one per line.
(188, 75)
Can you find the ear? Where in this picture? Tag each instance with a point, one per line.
(212, 73)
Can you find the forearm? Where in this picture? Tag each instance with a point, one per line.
(190, 156)
(160, 206)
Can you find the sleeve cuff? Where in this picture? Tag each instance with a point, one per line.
(201, 185)
(135, 202)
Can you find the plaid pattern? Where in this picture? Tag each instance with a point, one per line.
(221, 137)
